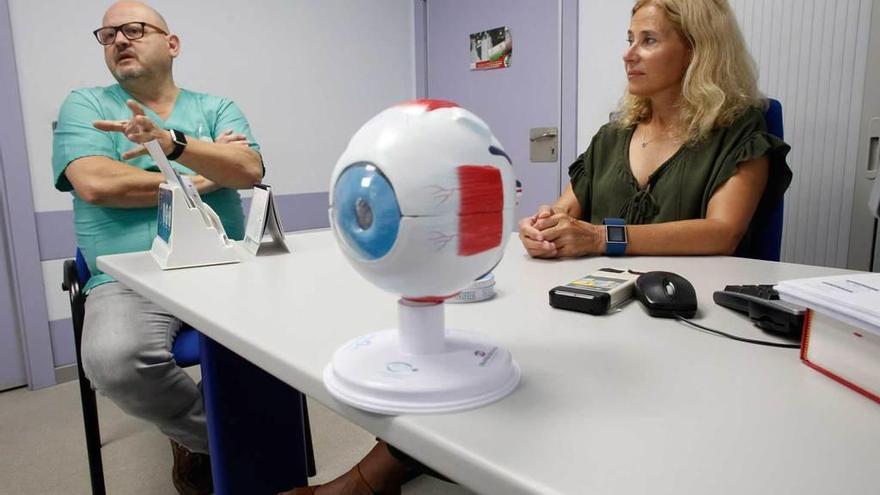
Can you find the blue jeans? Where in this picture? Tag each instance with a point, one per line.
(126, 353)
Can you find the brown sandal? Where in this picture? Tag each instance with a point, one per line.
(361, 482)
(354, 473)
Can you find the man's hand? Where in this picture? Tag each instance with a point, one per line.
(230, 137)
(203, 185)
(139, 129)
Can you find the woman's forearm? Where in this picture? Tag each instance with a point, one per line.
(685, 237)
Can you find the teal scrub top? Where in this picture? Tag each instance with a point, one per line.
(102, 230)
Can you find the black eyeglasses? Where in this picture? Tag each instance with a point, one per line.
(131, 30)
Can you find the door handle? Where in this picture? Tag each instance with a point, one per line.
(545, 135)
(543, 144)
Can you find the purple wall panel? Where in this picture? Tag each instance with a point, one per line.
(19, 208)
(420, 52)
(530, 93)
(300, 211)
(61, 332)
(12, 366)
(55, 234)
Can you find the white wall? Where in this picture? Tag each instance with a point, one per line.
(306, 73)
(811, 55)
(601, 76)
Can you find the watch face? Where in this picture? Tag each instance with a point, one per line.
(178, 137)
(615, 233)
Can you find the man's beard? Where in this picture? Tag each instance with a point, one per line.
(129, 73)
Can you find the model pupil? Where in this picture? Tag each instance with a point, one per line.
(364, 214)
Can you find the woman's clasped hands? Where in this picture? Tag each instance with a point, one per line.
(553, 233)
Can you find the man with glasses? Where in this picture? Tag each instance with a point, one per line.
(98, 154)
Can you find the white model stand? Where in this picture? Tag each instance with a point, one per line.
(421, 367)
(192, 238)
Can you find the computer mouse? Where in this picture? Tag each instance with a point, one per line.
(666, 294)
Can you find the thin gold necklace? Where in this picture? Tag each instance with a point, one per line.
(646, 142)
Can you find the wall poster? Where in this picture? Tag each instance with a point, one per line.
(491, 49)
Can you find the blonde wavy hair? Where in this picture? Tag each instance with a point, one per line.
(721, 81)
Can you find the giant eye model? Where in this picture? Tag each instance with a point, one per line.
(421, 204)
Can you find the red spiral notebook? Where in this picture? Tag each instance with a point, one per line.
(841, 327)
(845, 353)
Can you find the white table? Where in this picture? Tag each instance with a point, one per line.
(621, 404)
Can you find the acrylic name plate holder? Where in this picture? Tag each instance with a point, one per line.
(189, 232)
(263, 232)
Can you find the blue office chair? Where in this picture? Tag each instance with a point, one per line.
(766, 227)
(187, 351)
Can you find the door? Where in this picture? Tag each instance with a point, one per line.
(12, 371)
(533, 92)
(864, 234)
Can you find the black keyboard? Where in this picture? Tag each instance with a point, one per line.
(762, 304)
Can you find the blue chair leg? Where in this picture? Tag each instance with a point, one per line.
(256, 426)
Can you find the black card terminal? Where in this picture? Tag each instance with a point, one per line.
(596, 293)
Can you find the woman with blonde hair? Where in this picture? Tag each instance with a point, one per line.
(687, 162)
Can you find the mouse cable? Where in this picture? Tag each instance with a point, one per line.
(734, 337)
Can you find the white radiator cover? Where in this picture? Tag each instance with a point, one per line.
(812, 56)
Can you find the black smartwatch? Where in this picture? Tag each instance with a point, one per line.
(179, 140)
(615, 236)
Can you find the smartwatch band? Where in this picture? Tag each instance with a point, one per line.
(179, 140)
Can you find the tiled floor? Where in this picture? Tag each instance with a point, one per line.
(42, 449)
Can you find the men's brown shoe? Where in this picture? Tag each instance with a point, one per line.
(191, 473)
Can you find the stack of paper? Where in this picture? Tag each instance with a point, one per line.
(854, 298)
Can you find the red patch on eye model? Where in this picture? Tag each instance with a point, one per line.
(481, 210)
(430, 299)
(431, 105)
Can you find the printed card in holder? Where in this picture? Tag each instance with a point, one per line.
(189, 233)
(171, 175)
(166, 209)
(264, 231)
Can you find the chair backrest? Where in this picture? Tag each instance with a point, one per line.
(82, 269)
(766, 227)
(773, 116)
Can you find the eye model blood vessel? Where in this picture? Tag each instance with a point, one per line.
(421, 204)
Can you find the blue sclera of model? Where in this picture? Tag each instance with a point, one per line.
(366, 211)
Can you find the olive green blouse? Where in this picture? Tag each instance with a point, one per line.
(681, 187)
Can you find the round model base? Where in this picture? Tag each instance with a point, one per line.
(372, 373)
